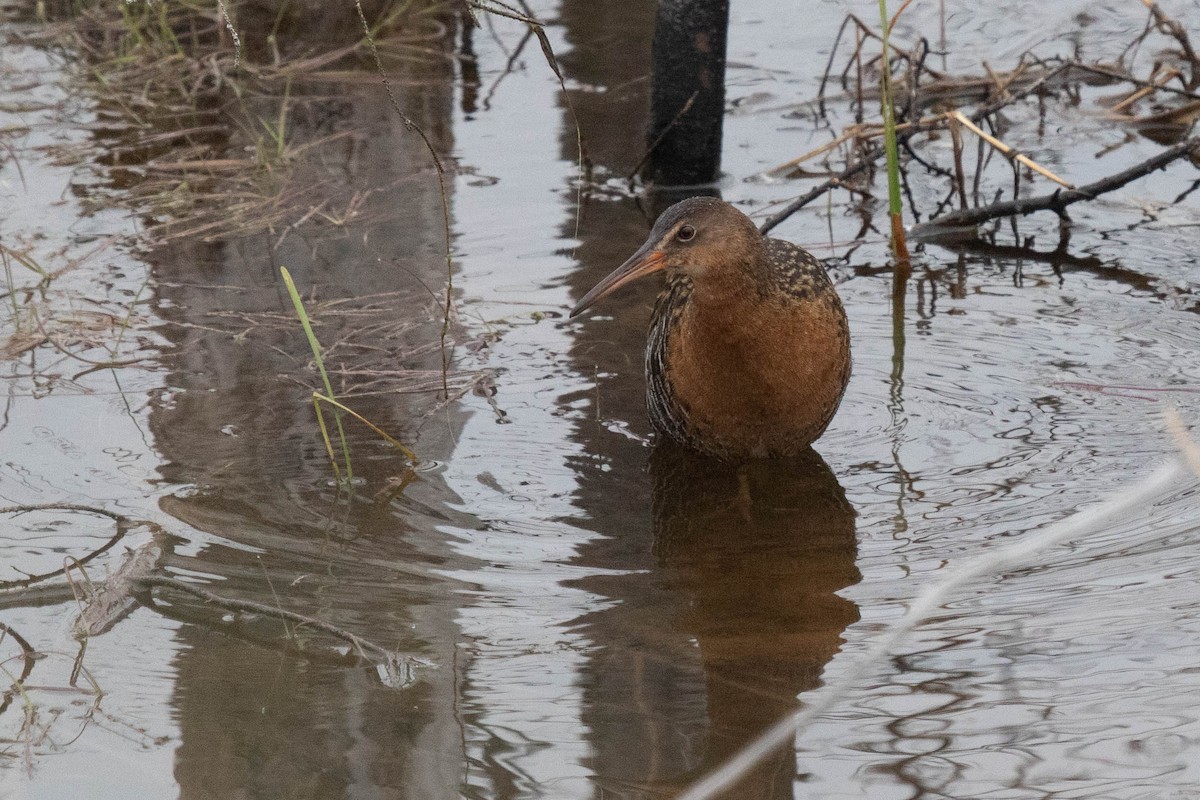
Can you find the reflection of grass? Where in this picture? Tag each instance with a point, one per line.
(7, 256)
(37, 721)
(25, 737)
(209, 143)
(328, 398)
(10, 285)
(43, 317)
(17, 685)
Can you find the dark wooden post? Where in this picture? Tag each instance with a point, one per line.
(688, 92)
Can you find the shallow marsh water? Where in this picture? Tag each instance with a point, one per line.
(600, 618)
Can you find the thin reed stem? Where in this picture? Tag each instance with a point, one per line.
(902, 266)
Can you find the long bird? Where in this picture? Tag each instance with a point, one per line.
(748, 353)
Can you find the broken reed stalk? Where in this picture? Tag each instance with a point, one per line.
(1006, 151)
(316, 351)
(960, 179)
(927, 603)
(903, 265)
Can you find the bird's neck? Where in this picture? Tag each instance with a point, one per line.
(732, 291)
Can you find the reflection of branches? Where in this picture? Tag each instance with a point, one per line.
(679, 115)
(27, 655)
(151, 581)
(927, 603)
(508, 68)
(1060, 261)
(33, 732)
(400, 667)
(124, 525)
(104, 603)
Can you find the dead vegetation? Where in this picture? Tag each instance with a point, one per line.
(1161, 103)
(195, 105)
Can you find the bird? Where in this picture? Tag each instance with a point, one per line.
(748, 350)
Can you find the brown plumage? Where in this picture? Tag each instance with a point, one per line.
(748, 353)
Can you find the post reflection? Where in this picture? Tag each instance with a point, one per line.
(734, 613)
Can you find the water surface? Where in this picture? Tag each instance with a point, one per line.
(603, 618)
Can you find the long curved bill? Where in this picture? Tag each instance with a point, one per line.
(643, 262)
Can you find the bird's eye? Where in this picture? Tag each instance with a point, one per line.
(686, 233)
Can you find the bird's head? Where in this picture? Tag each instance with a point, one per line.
(704, 238)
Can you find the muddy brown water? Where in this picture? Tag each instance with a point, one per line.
(597, 617)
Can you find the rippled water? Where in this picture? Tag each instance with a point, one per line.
(601, 618)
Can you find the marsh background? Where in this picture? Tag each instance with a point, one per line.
(593, 618)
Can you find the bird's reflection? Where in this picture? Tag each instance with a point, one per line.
(735, 614)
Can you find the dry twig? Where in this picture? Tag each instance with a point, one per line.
(1176, 31)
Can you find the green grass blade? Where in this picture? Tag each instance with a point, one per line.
(316, 351)
(389, 439)
(895, 204)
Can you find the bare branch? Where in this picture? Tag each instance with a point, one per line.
(1059, 199)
